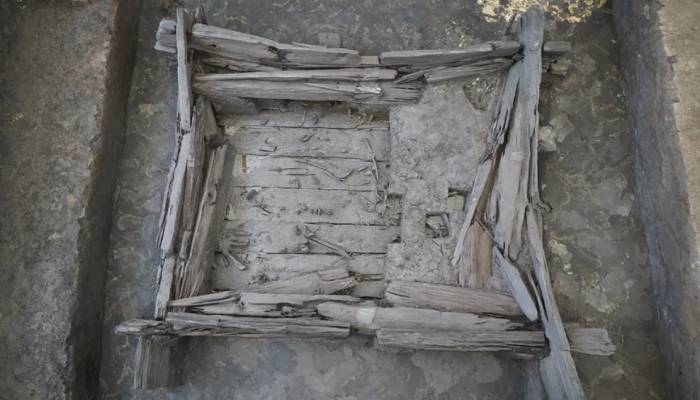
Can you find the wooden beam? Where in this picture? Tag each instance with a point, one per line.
(420, 59)
(489, 341)
(341, 74)
(451, 298)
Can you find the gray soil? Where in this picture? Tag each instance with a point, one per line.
(593, 235)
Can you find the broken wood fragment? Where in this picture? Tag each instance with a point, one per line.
(516, 341)
(451, 298)
(322, 282)
(591, 341)
(516, 284)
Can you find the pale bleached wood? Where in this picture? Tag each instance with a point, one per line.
(319, 173)
(342, 74)
(485, 170)
(287, 237)
(516, 284)
(305, 119)
(591, 341)
(451, 298)
(426, 58)
(174, 197)
(165, 283)
(191, 276)
(487, 341)
(274, 267)
(479, 256)
(322, 282)
(184, 69)
(463, 71)
(369, 318)
(311, 142)
(370, 92)
(191, 324)
(312, 206)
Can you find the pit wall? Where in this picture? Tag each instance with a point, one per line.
(661, 54)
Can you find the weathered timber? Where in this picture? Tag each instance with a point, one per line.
(516, 284)
(259, 304)
(294, 173)
(482, 67)
(591, 341)
(342, 74)
(306, 119)
(485, 170)
(165, 283)
(184, 69)
(370, 92)
(312, 206)
(419, 59)
(191, 324)
(274, 267)
(488, 341)
(190, 277)
(369, 318)
(244, 47)
(287, 237)
(558, 370)
(153, 356)
(322, 282)
(311, 142)
(451, 298)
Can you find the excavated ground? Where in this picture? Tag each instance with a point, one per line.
(594, 236)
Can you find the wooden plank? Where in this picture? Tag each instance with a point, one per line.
(463, 71)
(322, 282)
(451, 298)
(427, 58)
(371, 318)
(287, 237)
(273, 267)
(295, 173)
(189, 278)
(184, 69)
(306, 119)
(516, 284)
(311, 142)
(165, 283)
(370, 92)
(342, 74)
(174, 198)
(312, 206)
(517, 341)
(246, 47)
(190, 324)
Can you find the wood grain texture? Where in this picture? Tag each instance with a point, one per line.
(451, 298)
(342, 74)
(487, 341)
(311, 142)
(305, 119)
(427, 58)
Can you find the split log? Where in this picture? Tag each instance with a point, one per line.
(253, 49)
(421, 59)
(258, 304)
(451, 298)
(189, 324)
(190, 277)
(515, 341)
(370, 92)
(342, 74)
(369, 318)
(463, 71)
